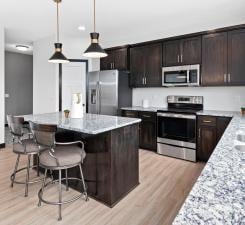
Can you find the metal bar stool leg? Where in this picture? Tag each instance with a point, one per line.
(27, 175)
(60, 196)
(43, 184)
(84, 186)
(15, 169)
(67, 187)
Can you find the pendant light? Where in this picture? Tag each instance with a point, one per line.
(94, 50)
(58, 56)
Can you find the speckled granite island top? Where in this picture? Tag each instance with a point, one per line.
(218, 196)
(89, 124)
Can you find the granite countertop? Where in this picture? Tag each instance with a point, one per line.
(140, 108)
(217, 113)
(202, 112)
(218, 196)
(89, 124)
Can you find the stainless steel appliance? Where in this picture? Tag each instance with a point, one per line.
(108, 91)
(176, 127)
(188, 75)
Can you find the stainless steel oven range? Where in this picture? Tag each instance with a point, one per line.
(176, 127)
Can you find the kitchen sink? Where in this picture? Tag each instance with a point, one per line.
(240, 148)
(241, 137)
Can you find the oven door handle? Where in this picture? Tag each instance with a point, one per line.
(175, 115)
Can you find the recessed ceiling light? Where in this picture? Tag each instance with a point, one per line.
(82, 28)
(23, 48)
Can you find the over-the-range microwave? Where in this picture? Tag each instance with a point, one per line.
(188, 75)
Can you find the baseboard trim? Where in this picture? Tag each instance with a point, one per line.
(2, 145)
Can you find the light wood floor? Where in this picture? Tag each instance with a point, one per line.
(164, 184)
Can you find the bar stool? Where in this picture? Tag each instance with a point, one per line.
(21, 146)
(58, 157)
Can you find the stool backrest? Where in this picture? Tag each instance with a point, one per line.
(15, 125)
(44, 134)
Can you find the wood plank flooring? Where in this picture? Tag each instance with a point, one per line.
(164, 184)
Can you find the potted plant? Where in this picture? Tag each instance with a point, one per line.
(243, 110)
(67, 112)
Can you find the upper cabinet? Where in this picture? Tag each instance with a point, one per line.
(182, 52)
(146, 65)
(117, 59)
(214, 59)
(223, 59)
(236, 57)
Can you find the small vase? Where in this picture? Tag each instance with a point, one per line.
(67, 115)
(243, 111)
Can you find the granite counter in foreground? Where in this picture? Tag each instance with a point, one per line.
(89, 124)
(218, 196)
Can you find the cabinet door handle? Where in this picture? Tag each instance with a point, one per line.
(229, 78)
(178, 58)
(146, 116)
(181, 58)
(143, 80)
(207, 121)
(199, 133)
(225, 79)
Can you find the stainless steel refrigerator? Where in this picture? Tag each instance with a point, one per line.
(108, 91)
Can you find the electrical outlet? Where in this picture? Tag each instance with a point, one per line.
(7, 95)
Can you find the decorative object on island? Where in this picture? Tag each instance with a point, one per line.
(77, 106)
(58, 56)
(67, 112)
(243, 110)
(94, 50)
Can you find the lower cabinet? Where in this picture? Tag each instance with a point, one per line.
(148, 130)
(210, 130)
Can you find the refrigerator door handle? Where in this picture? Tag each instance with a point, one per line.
(98, 98)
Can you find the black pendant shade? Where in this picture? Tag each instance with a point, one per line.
(94, 50)
(58, 56)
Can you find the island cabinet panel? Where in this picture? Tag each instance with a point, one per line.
(210, 129)
(236, 56)
(182, 52)
(146, 65)
(214, 59)
(116, 59)
(111, 167)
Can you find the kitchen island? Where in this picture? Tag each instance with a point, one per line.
(111, 166)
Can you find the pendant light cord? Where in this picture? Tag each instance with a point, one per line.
(58, 25)
(94, 15)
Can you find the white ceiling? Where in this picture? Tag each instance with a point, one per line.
(118, 21)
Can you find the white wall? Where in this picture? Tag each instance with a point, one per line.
(215, 98)
(45, 74)
(45, 85)
(2, 91)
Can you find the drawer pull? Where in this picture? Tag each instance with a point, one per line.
(146, 116)
(207, 121)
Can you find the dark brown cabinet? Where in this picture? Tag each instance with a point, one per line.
(182, 52)
(222, 59)
(146, 65)
(210, 130)
(236, 56)
(148, 136)
(148, 130)
(214, 59)
(116, 59)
